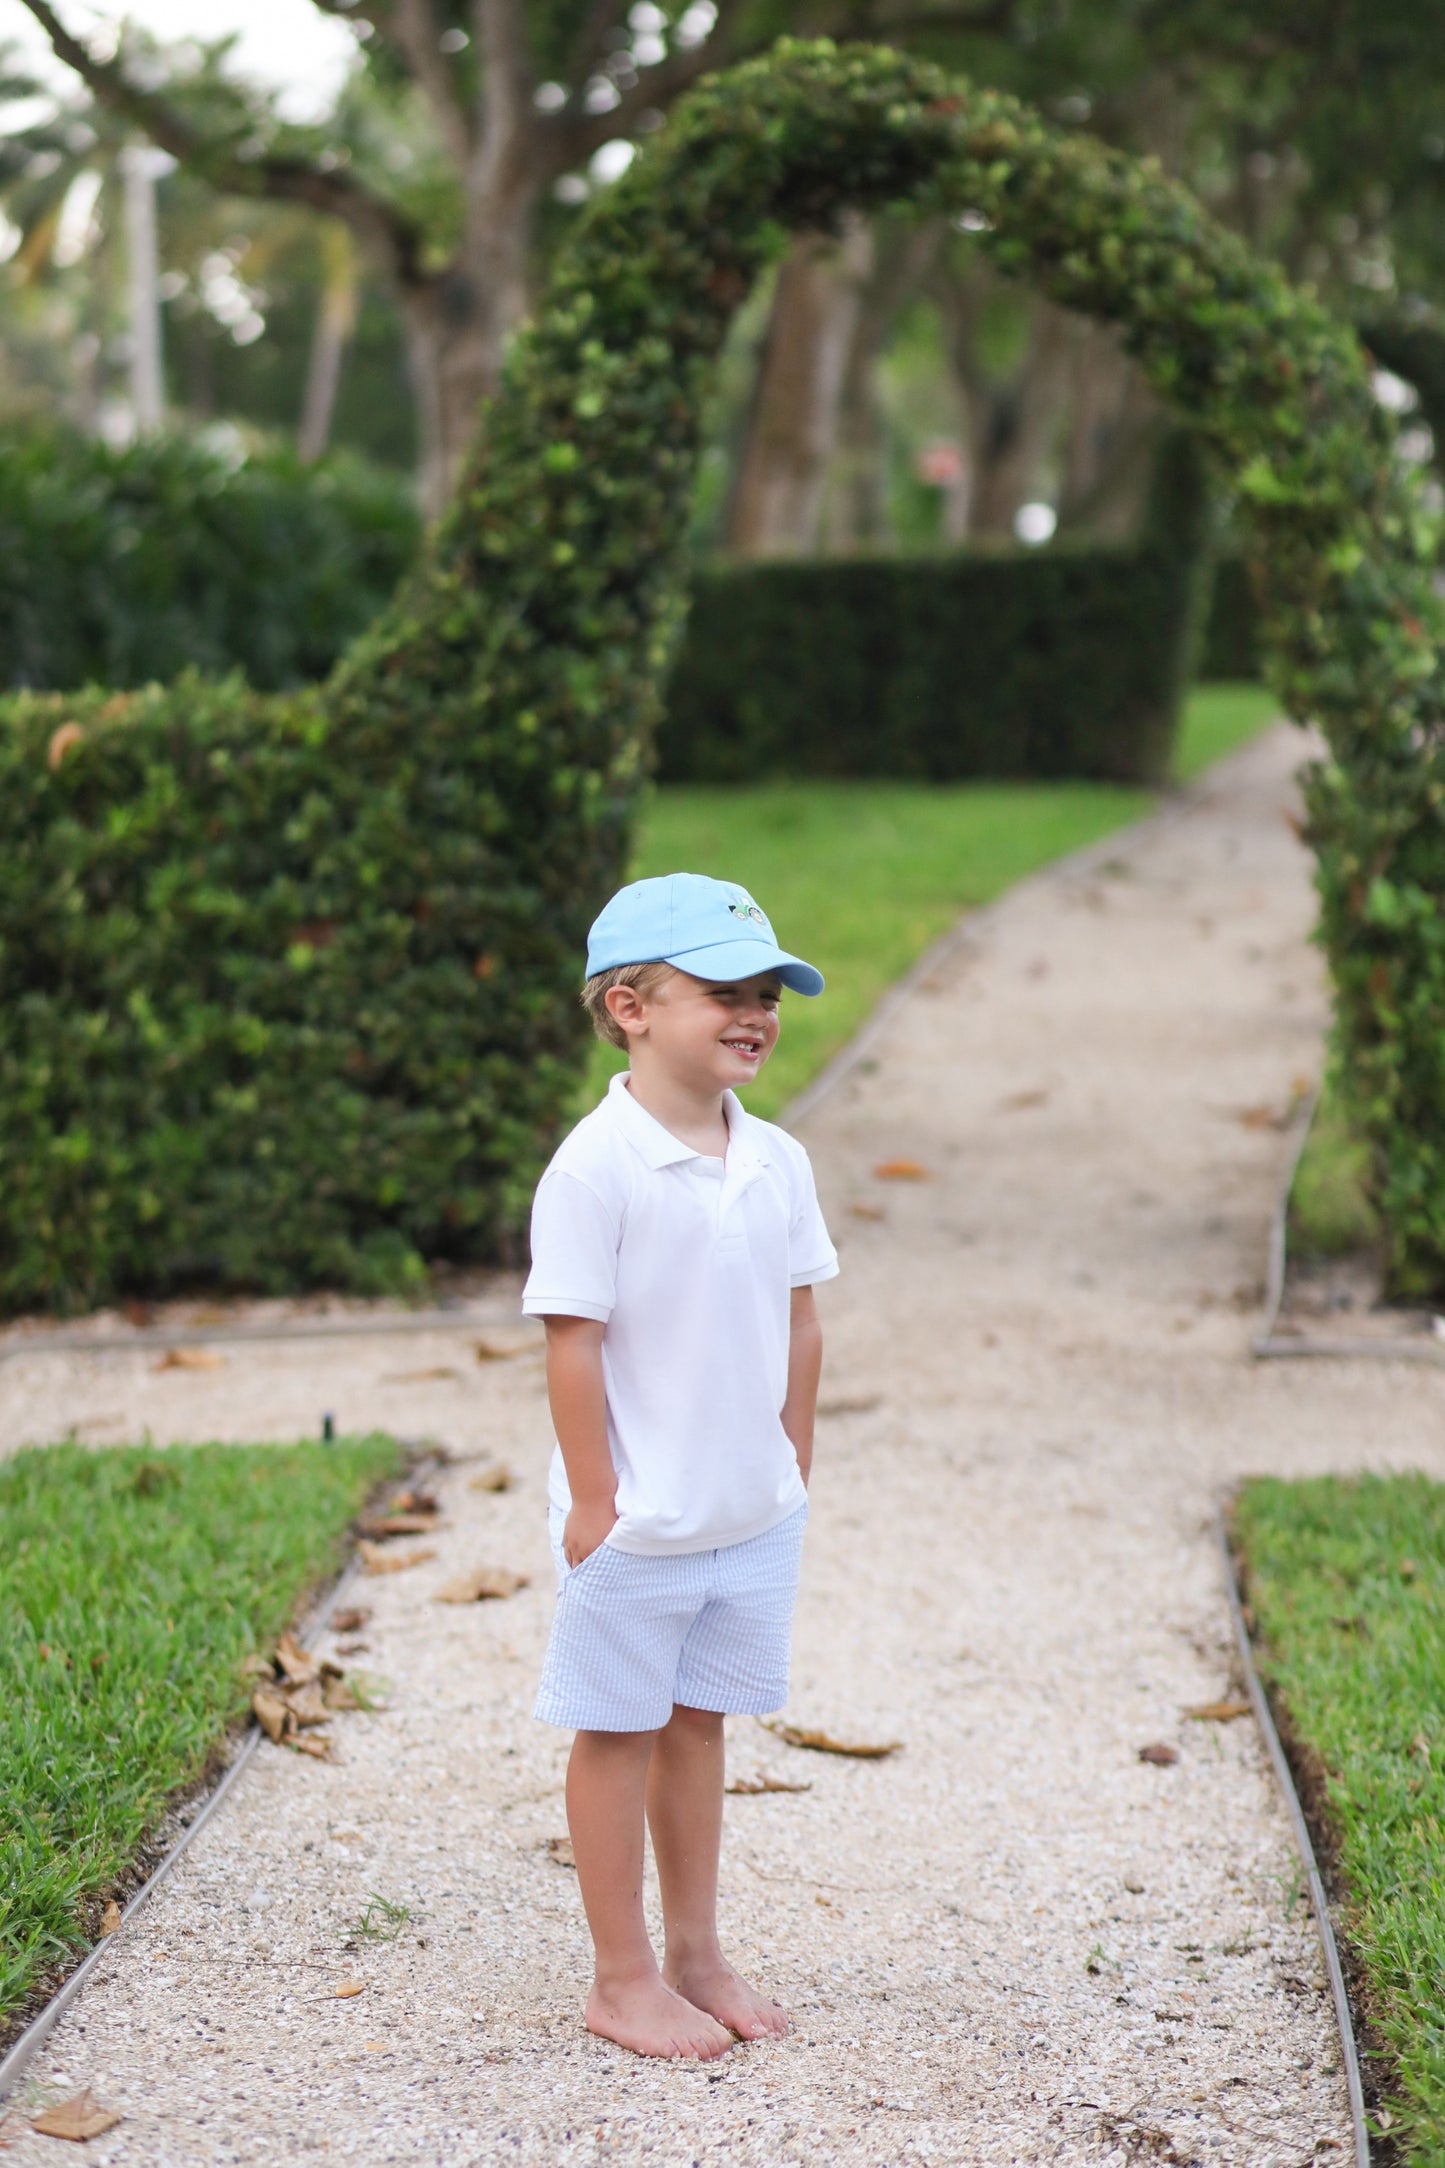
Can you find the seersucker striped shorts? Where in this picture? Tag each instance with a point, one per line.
(636, 1634)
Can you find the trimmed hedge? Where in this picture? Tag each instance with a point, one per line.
(1060, 662)
(288, 985)
(120, 567)
(1231, 646)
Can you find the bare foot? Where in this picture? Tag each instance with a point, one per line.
(712, 1985)
(651, 2019)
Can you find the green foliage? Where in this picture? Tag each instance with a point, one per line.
(288, 986)
(132, 1583)
(1346, 1578)
(1332, 1204)
(1063, 662)
(122, 567)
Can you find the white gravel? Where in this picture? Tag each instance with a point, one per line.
(1012, 1942)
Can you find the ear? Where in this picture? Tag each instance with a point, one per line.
(627, 1010)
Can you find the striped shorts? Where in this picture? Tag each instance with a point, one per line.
(636, 1634)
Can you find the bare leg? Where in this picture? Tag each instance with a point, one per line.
(630, 2001)
(684, 1809)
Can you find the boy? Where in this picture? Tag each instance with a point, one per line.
(675, 1244)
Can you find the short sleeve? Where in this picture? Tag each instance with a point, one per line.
(574, 1252)
(811, 1255)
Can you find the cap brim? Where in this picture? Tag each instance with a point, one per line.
(744, 960)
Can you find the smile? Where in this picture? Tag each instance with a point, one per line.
(748, 1048)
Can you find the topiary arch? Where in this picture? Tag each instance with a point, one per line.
(288, 985)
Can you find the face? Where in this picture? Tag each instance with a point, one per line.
(709, 1034)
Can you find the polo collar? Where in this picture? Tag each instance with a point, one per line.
(660, 1148)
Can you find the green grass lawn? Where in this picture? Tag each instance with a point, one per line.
(860, 877)
(1217, 720)
(132, 1582)
(1346, 1581)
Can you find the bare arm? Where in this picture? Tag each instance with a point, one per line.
(578, 1398)
(805, 1367)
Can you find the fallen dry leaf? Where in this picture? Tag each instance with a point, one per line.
(190, 1358)
(1261, 1118)
(353, 1648)
(306, 1703)
(399, 1524)
(272, 1713)
(338, 1693)
(499, 1478)
(902, 1170)
(63, 741)
(559, 1851)
(488, 1351)
(348, 1988)
(1160, 1754)
(417, 1377)
(416, 1501)
(851, 1404)
(350, 1619)
(480, 1584)
(81, 2117)
(298, 1668)
(375, 1559)
(1218, 1712)
(823, 1742)
(750, 1787)
(867, 1211)
(1017, 1102)
(314, 1743)
(110, 1918)
(252, 1667)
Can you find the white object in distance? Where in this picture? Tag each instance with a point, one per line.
(612, 160)
(1035, 523)
(1393, 392)
(694, 24)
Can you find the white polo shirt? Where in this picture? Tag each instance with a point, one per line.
(688, 1261)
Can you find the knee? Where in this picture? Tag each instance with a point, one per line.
(699, 1724)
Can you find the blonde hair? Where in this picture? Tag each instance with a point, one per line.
(643, 978)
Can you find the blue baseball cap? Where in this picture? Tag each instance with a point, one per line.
(712, 929)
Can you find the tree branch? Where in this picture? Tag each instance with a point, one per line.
(412, 30)
(997, 16)
(589, 47)
(292, 179)
(507, 116)
(577, 135)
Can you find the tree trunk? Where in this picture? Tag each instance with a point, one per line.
(793, 425)
(335, 322)
(147, 392)
(1012, 426)
(856, 514)
(1109, 449)
(458, 324)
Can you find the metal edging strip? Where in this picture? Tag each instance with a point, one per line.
(38, 2031)
(1303, 1845)
(1269, 1345)
(143, 1338)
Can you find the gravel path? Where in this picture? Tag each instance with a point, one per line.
(1012, 1941)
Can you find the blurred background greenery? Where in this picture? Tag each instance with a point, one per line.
(181, 251)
